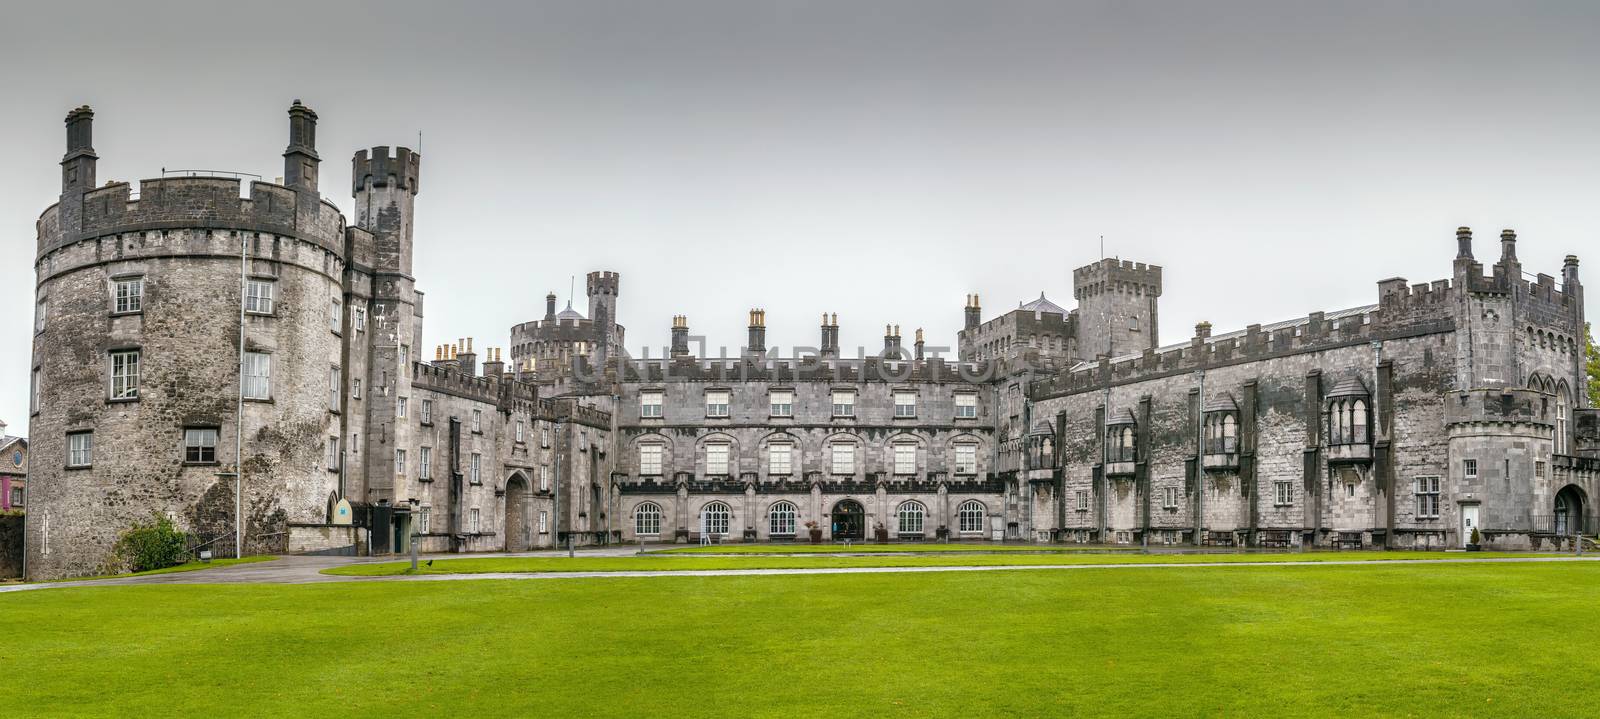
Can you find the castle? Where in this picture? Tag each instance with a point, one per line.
(190, 340)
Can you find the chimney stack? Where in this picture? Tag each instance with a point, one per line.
(680, 336)
(492, 365)
(1508, 246)
(891, 341)
(550, 306)
(1202, 330)
(466, 359)
(757, 345)
(830, 335)
(300, 159)
(918, 345)
(1463, 243)
(974, 313)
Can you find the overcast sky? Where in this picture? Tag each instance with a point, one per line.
(875, 159)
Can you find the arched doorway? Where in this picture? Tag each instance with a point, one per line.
(516, 524)
(849, 520)
(1569, 511)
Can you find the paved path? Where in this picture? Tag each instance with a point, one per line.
(307, 570)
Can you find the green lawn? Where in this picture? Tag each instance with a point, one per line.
(191, 566)
(661, 561)
(1441, 639)
(865, 548)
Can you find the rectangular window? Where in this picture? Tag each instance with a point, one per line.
(716, 403)
(649, 404)
(520, 429)
(544, 479)
(544, 522)
(129, 295)
(200, 445)
(1470, 467)
(905, 458)
(782, 403)
(80, 449)
(427, 411)
(1083, 501)
(779, 458)
(258, 296)
(425, 462)
(33, 393)
(905, 404)
(473, 519)
(405, 360)
(966, 405)
(39, 314)
(355, 388)
(477, 468)
(1350, 490)
(257, 375)
(477, 420)
(425, 520)
(335, 388)
(1538, 468)
(1427, 491)
(125, 374)
(649, 459)
(359, 318)
(333, 453)
(716, 459)
(399, 461)
(400, 407)
(844, 459)
(334, 313)
(1282, 493)
(544, 435)
(966, 459)
(1169, 497)
(844, 403)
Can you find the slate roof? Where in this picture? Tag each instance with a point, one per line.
(1042, 305)
(569, 313)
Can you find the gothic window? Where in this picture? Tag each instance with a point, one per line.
(714, 518)
(969, 516)
(1221, 433)
(647, 519)
(911, 517)
(781, 518)
(1122, 443)
(1348, 421)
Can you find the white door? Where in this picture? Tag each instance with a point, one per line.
(1469, 519)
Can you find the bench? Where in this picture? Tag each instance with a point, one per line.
(1274, 538)
(1218, 539)
(1349, 540)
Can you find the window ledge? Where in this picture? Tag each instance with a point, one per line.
(212, 463)
(260, 314)
(123, 400)
(267, 400)
(126, 314)
(72, 467)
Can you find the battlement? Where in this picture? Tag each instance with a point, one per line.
(604, 283)
(1495, 405)
(193, 202)
(1114, 275)
(378, 168)
(807, 369)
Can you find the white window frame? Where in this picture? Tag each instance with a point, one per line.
(1169, 497)
(474, 521)
(719, 458)
(780, 458)
(910, 517)
(195, 438)
(257, 375)
(41, 311)
(967, 464)
(650, 405)
(842, 458)
(647, 519)
(905, 458)
(427, 411)
(650, 459)
(780, 403)
(124, 374)
(1469, 468)
(335, 314)
(355, 388)
(904, 409)
(425, 463)
(1426, 489)
(258, 296)
(1282, 493)
(844, 403)
(477, 420)
(477, 468)
(521, 433)
(399, 461)
(717, 401)
(80, 449)
(969, 517)
(332, 458)
(544, 522)
(715, 518)
(1082, 501)
(335, 388)
(127, 295)
(966, 405)
(782, 518)
(400, 406)
(358, 318)
(425, 520)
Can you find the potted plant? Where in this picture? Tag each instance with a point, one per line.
(1472, 542)
(815, 530)
(880, 533)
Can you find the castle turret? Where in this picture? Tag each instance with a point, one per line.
(603, 312)
(385, 188)
(680, 336)
(757, 344)
(300, 159)
(1117, 303)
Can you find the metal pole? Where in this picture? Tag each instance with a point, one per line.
(238, 424)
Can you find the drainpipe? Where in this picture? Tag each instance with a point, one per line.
(1199, 459)
(238, 423)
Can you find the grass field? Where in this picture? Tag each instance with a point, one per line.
(661, 561)
(1441, 639)
(192, 566)
(891, 548)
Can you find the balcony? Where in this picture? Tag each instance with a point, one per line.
(1221, 454)
(1121, 469)
(1349, 453)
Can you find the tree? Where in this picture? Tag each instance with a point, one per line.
(1591, 365)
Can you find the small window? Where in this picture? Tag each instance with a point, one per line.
(1427, 493)
(477, 420)
(544, 522)
(1538, 468)
(474, 519)
(1082, 499)
(36, 385)
(1282, 493)
(1350, 489)
(649, 404)
(40, 312)
(1133, 323)
(905, 458)
(844, 403)
(355, 387)
(544, 435)
(427, 411)
(717, 458)
(969, 517)
(521, 428)
(258, 375)
(335, 388)
(650, 459)
(477, 468)
(780, 457)
(258, 295)
(905, 404)
(844, 458)
(335, 312)
(400, 407)
(716, 403)
(358, 317)
(399, 461)
(1169, 497)
(125, 374)
(647, 519)
(80, 449)
(966, 458)
(128, 295)
(782, 403)
(425, 462)
(332, 459)
(966, 405)
(425, 520)
(200, 445)
(1470, 468)
(544, 479)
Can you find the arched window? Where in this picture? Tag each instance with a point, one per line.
(1358, 422)
(1123, 444)
(780, 519)
(647, 518)
(714, 518)
(969, 517)
(1561, 419)
(1230, 434)
(911, 516)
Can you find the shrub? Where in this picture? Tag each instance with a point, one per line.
(152, 546)
(1475, 536)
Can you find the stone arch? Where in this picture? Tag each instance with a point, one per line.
(951, 456)
(886, 452)
(716, 517)
(911, 517)
(700, 454)
(1570, 507)
(518, 529)
(652, 439)
(850, 438)
(764, 457)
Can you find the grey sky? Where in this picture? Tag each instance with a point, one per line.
(875, 159)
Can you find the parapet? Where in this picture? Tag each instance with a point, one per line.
(1497, 405)
(378, 168)
(604, 283)
(1114, 275)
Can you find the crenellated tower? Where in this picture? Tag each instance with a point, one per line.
(1117, 307)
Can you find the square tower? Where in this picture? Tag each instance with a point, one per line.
(1116, 307)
